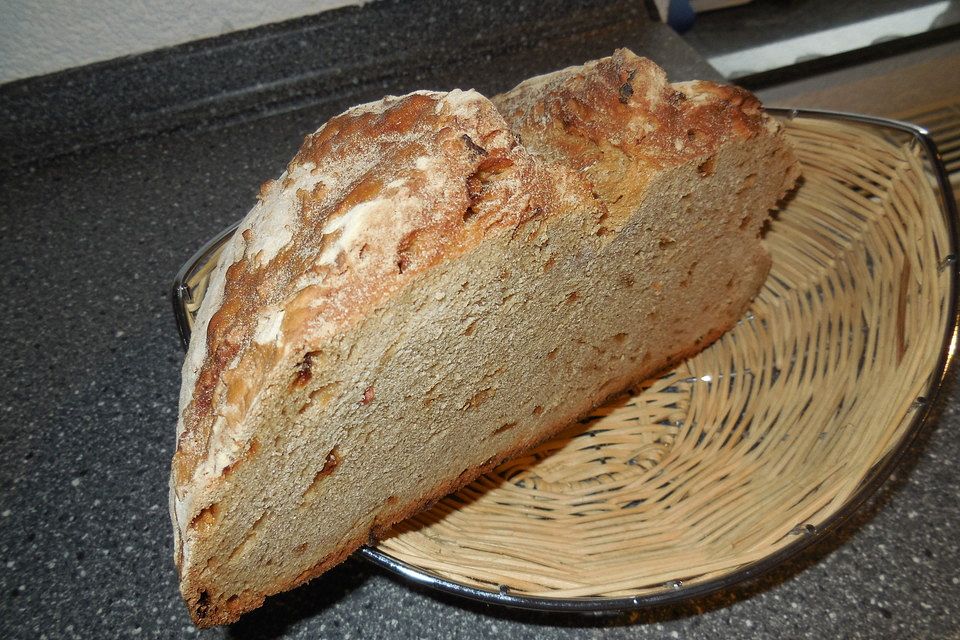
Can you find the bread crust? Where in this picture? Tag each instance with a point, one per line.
(625, 102)
(618, 122)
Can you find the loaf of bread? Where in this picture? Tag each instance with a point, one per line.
(436, 283)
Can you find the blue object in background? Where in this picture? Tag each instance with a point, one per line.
(680, 15)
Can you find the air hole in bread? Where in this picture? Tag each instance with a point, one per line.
(416, 248)
(304, 370)
(665, 242)
(469, 214)
(573, 297)
(537, 410)
(707, 167)
(745, 222)
(747, 183)
(731, 282)
(504, 427)
(249, 538)
(300, 549)
(764, 228)
(321, 396)
(388, 354)
(619, 338)
(553, 354)
(203, 604)
(473, 146)
(206, 518)
(549, 264)
(251, 451)
(479, 398)
(470, 328)
(392, 500)
(486, 170)
(330, 464)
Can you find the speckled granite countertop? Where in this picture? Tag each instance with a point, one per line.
(89, 242)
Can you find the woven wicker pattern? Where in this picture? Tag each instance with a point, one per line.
(759, 438)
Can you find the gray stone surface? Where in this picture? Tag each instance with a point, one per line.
(332, 60)
(88, 245)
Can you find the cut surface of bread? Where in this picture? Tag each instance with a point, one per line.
(436, 284)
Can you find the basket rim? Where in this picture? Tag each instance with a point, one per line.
(881, 471)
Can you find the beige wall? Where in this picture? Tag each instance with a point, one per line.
(42, 36)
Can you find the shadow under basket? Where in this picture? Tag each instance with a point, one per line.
(746, 453)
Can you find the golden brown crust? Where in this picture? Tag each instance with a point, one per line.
(624, 101)
(618, 121)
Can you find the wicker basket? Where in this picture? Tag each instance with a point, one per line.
(747, 452)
